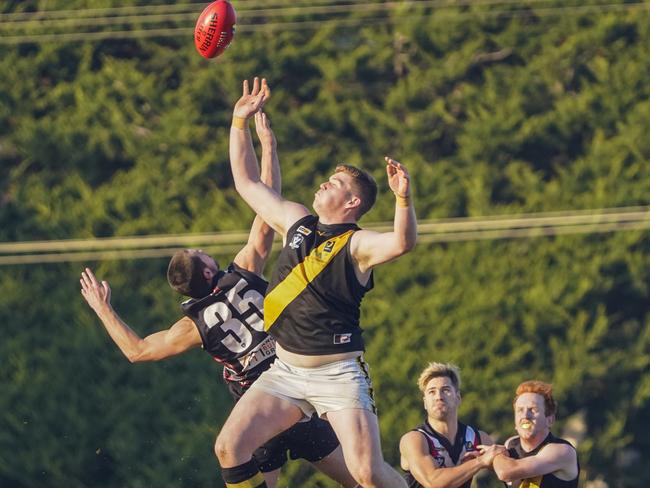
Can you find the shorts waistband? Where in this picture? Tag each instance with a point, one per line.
(334, 364)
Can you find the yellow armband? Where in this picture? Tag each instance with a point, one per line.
(403, 201)
(239, 122)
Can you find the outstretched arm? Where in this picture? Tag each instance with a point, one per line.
(280, 214)
(180, 337)
(254, 254)
(371, 248)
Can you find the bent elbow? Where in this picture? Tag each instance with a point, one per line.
(406, 246)
(410, 245)
(139, 353)
(503, 474)
(240, 185)
(134, 357)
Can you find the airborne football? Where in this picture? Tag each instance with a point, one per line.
(215, 29)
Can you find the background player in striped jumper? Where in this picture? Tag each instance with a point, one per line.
(443, 452)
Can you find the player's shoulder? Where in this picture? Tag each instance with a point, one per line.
(296, 214)
(362, 236)
(234, 272)
(483, 436)
(559, 449)
(413, 439)
(303, 223)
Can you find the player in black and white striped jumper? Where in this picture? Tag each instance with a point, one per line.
(443, 451)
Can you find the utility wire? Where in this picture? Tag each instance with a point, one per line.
(311, 24)
(244, 7)
(191, 16)
(240, 6)
(432, 231)
(195, 7)
(81, 16)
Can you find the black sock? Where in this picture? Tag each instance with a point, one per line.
(245, 475)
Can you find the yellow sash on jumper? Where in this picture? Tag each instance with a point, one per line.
(300, 276)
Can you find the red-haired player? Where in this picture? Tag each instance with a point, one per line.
(536, 458)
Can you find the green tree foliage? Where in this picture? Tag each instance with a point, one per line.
(495, 108)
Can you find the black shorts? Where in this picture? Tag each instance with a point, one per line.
(311, 441)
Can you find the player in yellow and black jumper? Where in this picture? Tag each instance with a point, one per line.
(312, 309)
(536, 458)
(224, 316)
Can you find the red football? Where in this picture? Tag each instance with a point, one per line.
(215, 28)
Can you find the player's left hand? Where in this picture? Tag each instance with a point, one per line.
(398, 177)
(263, 129)
(252, 100)
(97, 294)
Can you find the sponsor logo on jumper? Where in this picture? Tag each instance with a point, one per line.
(440, 460)
(328, 246)
(342, 338)
(259, 354)
(304, 230)
(296, 240)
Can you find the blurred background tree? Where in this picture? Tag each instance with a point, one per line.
(496, 108)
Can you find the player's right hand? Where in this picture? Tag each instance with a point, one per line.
(252, 100)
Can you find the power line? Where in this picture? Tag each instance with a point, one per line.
(108, 255)
(258, 7)
(240, 6)
(431, 231)
(311, 24)
(195, 7)
(192, 15)
(116, 243)
(534, 232)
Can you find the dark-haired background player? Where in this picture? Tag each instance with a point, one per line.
(225, 316)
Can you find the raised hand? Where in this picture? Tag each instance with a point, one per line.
(263, 129)
(97, 294)
(252, 100)
(398, 178)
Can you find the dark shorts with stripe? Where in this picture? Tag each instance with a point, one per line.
(311, 441)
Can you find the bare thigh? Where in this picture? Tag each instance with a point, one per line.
(256, 418)
(358, 433)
